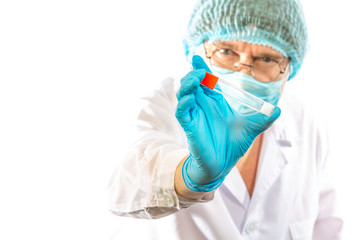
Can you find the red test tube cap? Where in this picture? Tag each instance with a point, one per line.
(210, 80)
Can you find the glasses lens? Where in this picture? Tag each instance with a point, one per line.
(225, 58)
(265, 69)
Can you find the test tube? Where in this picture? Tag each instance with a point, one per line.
(238, 94)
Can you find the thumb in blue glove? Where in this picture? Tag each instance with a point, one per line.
(217, 135)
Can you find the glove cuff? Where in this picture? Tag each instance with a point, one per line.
(197, 187)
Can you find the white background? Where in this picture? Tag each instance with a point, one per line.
(69, 72)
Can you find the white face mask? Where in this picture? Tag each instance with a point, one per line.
(267, 91)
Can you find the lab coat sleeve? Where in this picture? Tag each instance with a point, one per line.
(143, 184)
(329, 223)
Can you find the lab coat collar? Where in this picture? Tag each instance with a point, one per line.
(278, 149)
(284, 127)
(276, 152)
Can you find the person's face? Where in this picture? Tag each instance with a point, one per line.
(247, 53)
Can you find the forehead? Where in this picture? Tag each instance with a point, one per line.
(254, 49)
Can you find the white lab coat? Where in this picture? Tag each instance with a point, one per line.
(292, 198)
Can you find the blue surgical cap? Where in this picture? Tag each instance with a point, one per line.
(279, 24)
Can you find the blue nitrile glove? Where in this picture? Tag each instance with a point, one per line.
(217, 135)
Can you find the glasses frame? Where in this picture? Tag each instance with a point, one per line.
(236, 64)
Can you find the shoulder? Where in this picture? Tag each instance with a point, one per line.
(156, 111)
(163, 93)
(167, 88)
(302, 115)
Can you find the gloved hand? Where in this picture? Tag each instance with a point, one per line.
(217, 135)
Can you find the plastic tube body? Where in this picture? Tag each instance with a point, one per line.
(238, 94)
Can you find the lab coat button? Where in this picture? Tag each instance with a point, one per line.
(250, 228)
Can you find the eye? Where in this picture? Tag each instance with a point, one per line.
(226, 51)
(268, 60)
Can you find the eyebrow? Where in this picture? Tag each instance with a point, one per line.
(271, 53)
(275, 55)
(223, 44)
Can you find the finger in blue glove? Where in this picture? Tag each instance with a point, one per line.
(217, 135)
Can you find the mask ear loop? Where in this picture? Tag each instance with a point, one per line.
(285, 78)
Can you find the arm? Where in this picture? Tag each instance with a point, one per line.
(181, 188)
(143, 184)
(213, 137)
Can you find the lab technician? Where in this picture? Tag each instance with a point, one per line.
(205, 166)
